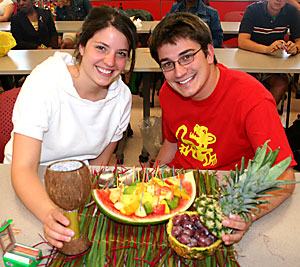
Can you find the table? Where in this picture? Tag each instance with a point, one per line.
(75, 26)
(230, 27)
(272, 241)
(24, 61)
(5, 26)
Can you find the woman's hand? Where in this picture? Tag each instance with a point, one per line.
(240, 227)
(55, 229)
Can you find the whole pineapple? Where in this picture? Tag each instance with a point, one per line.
(243, 190)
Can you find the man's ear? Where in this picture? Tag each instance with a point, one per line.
(210, 54)
(81, 50)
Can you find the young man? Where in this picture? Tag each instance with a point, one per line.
(263, 29)
(212, 116)
(208, 14)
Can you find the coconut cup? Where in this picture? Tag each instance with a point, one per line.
(68, 185)
(186, 251)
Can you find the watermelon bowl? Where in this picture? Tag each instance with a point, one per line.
(188, 251)
(157, 192)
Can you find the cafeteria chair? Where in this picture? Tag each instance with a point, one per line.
(231, 40)
(7, 102)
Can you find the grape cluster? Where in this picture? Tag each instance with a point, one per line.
(190, 231)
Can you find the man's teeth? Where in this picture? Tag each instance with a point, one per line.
(185, 81)
(104, 71)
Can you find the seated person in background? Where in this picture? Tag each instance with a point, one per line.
(208, 14)
(263, 28)
(6, 10)
(71, 10)
(72, 108)
(212, 116)
(33, 28)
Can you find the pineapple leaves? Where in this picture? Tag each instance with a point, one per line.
(278, 169)
(259, 157)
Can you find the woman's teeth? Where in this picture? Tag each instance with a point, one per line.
(104, 71)
(187, 80)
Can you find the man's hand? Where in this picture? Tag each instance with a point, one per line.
(279, 44)
(291, 48)
(240, 227)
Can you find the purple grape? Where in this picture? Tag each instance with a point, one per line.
(186, 217)
(193, 243)
(176, 230)
(184, 239)
(177, 220)
(188, 231)
(187, 224)
(194, 218)
(199, 224)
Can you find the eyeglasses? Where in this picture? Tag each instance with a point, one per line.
(183, 60)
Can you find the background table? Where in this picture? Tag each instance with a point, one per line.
(272, 241)
(5, 26)
(75, 26)
(230, 27)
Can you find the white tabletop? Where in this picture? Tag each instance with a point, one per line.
(75, 26)
(4, 26)
(247, 61)
(230, 27)
(23, 61)
(272, 241)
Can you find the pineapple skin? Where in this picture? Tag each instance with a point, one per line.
(211, 215)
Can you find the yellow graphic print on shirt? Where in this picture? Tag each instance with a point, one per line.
(197, 143)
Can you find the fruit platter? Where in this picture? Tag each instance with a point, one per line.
(155, 198)
(147, 200)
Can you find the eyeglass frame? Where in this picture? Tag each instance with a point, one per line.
(178, 60)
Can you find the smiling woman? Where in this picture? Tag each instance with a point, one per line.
(73, 108)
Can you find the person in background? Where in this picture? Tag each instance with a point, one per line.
(263, 29)
(33, 27)
(208, 14)
(212, 116)
(6, 10)
(72, 108)
(71, 10)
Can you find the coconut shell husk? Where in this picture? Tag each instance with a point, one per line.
(68, 189)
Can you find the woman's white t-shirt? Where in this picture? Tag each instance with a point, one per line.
(49, 109)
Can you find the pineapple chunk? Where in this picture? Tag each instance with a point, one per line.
(140, 212)
(130, 202)
(119, 206)
(158, 181)
(150, 189)
(147, 197)
(114, 195)
(181, 193)
(167, 209)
